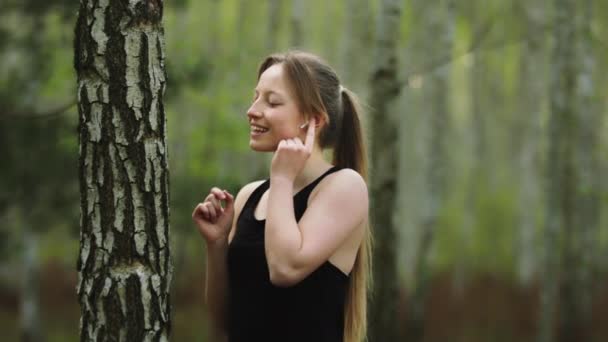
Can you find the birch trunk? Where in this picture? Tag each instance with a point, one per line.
(31, 330)
(435, 38)
(385, 88)
(124, 263)
(533, 76)
(297, 13)
(561, 174)
(577, 289)
(358, 36)
(272, 34)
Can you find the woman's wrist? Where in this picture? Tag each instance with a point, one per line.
(218, 244)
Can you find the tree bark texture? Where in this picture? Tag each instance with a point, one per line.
(384, 90)
(571, 214)
(434, 38)
(533, 76)
(124, 262)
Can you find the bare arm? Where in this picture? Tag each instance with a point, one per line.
(293, 249)
(216, 279)
(216, 283)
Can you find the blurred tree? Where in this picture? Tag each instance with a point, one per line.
(432, 37)
(533, 94)
(572, 198)
(124, 262)
(37, 191)
(272, 33)
(357, 37)
(384, 92)
(297, 22)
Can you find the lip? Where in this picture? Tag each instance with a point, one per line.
(256, 125)
(255, 134)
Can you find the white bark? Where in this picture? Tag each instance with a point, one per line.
(384, 89)
(124, 263)
(534, 73)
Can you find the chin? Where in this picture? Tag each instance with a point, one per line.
(261, 147)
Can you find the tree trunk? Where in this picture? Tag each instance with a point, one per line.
(272, 34)
(435, 38)
(577, 289)
(533, 85)
(297, 14)
(385, 88)
(358, 36)
(570, 112)
(124, 263)
(30, 305)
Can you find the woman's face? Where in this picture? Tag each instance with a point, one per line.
(274, 114)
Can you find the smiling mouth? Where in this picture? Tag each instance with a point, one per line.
(258, 129)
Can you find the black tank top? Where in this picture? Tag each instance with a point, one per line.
(311, 310)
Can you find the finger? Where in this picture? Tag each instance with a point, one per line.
(205, 213)
(199, 211)
(212, 211)
(219, 194)
(310, 134)
(298, 141)
(229, 199)
(196, 210)
(218, 197)
(214, 201)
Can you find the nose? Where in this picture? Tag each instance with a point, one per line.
(253, 112)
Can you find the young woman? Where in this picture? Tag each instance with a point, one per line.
(289, 259)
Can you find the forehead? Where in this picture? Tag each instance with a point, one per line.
(273, 79)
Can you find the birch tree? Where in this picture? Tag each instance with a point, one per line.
(571, 205)
(384, 92)
(272, 33)
(582, 231)
(358, 36)
(533, 76)
(297, 18)
(124, 262)
(433, 37)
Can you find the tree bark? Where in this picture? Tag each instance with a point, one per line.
(434, 38)
(297, 14)
(384, 90)
(358, 36)
(124, 262)
(571, 203)
(272, 34)
(31, 330)
(577, 288)
(533, 76)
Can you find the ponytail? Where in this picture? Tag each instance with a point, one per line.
(349, 152)
(349, 149)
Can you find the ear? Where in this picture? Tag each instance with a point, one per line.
(320, 120)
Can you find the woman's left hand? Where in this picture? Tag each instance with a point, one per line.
(291, 155)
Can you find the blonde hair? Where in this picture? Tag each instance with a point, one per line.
(317, 89)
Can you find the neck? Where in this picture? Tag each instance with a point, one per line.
(314, 167)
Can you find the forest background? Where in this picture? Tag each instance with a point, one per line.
(487, 159)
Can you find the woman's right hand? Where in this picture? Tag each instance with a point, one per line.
(213, 221)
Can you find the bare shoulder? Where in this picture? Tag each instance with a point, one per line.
(246, 191)
(239, 202)
(346, 181)
(347, 188)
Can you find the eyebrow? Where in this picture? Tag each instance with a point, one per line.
(270, 92)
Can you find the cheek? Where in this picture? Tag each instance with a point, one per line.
(284, 129)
